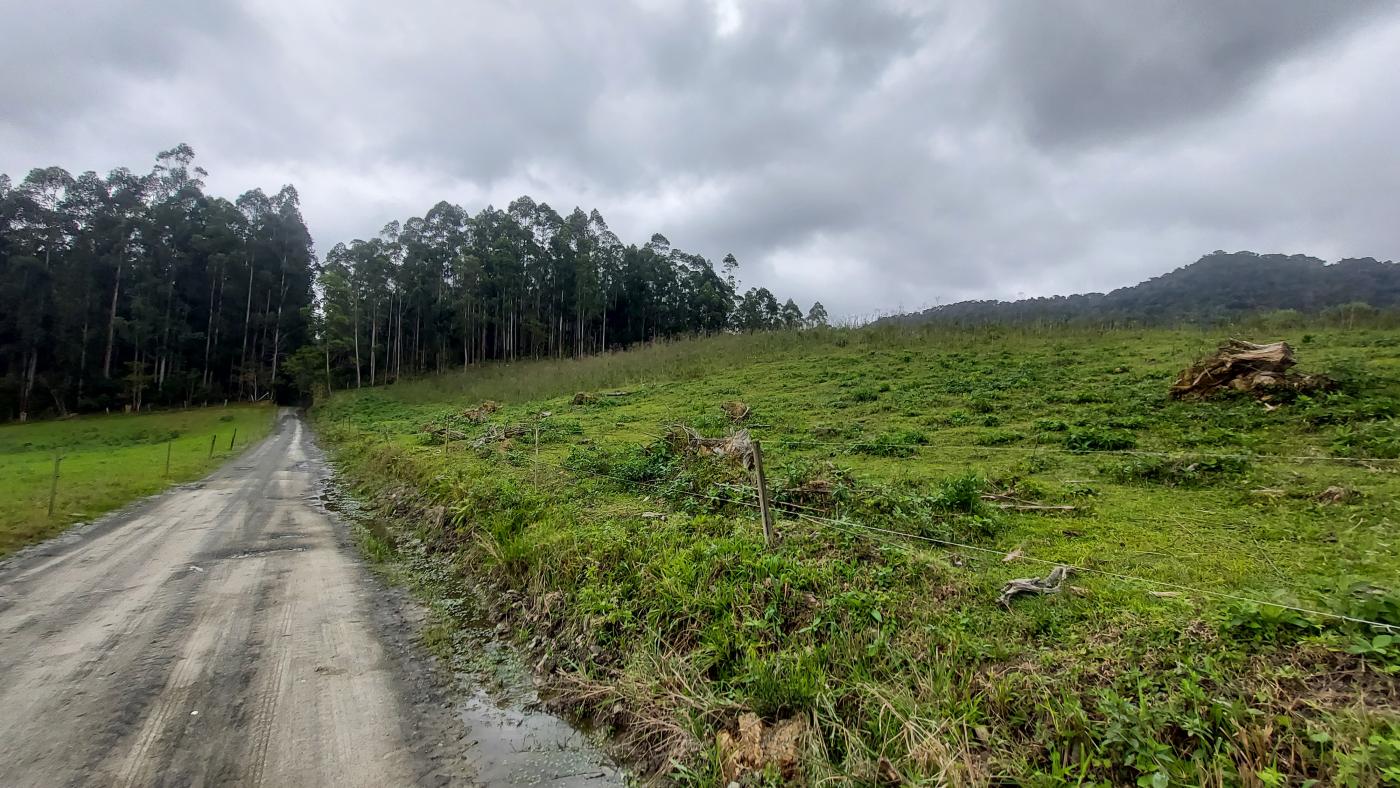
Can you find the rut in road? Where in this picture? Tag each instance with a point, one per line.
(222, 633)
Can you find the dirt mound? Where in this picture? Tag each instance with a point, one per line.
(1237, 365)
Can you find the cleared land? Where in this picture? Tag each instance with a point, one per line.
(109, 461)
(887, 657)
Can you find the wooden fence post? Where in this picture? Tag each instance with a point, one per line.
(212, 440)
(168, 441)
(232, 438)
(53, 483)
(762, 494)
(537, 456)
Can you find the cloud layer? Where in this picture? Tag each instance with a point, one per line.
(871, 155)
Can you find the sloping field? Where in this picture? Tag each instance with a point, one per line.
(1230, 560)
(109, 461)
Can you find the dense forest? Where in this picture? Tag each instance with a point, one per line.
(1219, 287)
(451, 288)
(138, 290)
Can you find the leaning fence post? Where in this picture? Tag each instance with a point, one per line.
(212, 440)
(232, 438)
(762, 494)
(168, 441)
(53, 483)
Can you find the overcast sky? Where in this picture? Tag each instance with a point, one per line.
(870, 155)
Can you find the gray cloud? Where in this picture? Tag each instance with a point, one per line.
(1084, 70)
(869, 155)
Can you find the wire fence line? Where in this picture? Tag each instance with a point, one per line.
(849, 526)
(1067, 450)
(1057, 449)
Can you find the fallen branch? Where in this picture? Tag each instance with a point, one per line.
(496, 433)
(1009, 503)
(1052, 583)
(441, 431)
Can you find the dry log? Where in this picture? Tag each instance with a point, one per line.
(1244, 366)
(1052, 583)
(445, 431)
(496, 433)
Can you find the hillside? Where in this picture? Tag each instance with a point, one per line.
(1218, 287)
(915, 472)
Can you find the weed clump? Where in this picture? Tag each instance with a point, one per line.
(1185, 471)
(1099, 439)
(893, 443)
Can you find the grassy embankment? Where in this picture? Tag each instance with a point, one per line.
(892, 652)
(108, 461)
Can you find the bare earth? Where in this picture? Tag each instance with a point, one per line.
(226, 633)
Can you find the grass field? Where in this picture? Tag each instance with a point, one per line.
(886, 651)
(108, 461)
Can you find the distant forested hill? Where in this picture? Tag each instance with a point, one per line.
(1217, 287)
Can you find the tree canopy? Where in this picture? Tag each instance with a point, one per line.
(132, 290)
(138, 290)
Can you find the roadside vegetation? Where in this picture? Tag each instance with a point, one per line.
(109, 461)
(636, 574)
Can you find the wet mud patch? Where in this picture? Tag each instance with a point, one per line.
(511, 738)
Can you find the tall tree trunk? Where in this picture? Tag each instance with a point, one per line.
(357, 340)
(247, 328)
(112, 315)
(208, 335)
(277, 330)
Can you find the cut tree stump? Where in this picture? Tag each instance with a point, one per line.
(1244, 366)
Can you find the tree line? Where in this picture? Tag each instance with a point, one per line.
(137, 290)
(451, 288)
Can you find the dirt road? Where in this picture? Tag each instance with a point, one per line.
(223, 633)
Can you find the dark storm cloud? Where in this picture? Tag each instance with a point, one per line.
(869, 154)
(1085, 70)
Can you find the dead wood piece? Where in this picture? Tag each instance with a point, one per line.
(1010, 503)
(618, 394)
(738, 446)
(1337, 494)
(736, 410)
(442, 430)
(480, 413)
(584, 398)
(1244, 366)
(1052, 583)
(497, 433)
(755, 747)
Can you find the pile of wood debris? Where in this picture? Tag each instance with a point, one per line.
(481, 412)
(1263, 370)
(738, 446)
